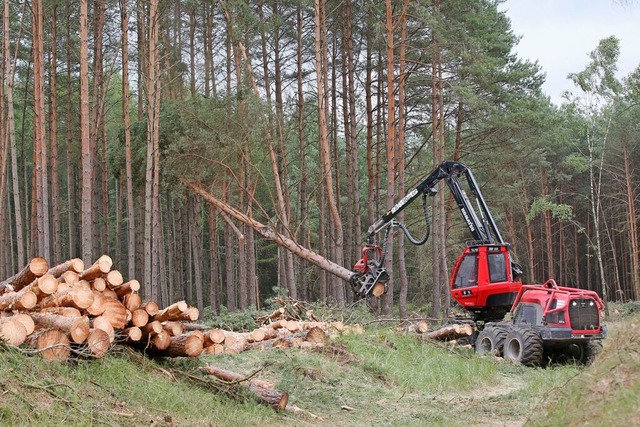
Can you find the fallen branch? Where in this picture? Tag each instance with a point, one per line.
(264, 391)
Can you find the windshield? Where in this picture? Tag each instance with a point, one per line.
(467, 272)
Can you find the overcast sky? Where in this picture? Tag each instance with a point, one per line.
(561, 33)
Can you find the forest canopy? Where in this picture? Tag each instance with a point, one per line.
(313, 117)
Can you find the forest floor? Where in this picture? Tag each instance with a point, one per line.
(382, 377)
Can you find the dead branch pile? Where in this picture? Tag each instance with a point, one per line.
(290, 309)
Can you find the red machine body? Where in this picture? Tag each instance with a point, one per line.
(482, 281)
(546, 320)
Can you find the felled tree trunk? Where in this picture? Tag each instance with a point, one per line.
(76, 265)
(184, 346)
(52, 344)
(450, 332)
(37, 267)
(264, 391)
(77, 328)
(271, 234)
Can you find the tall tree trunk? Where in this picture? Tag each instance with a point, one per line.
(439, 211)
(214, 274)
(131, 223)
(87, 155)
(387, 299)
(141, 28)
(371, 178)
(350, 234)
(152, 196)
(72, 222)
(325, 153)
(632, 220)
(353, 185)
(53, 141)
(229, 257)
(250, 264)
(525, 203)
(292, 283)
(100, 210)
(303, 182)
(595, 190)
(402, 267)
(192, 50)
(6, 238)
(11, 137)
(196, 247)
(548, 230)
(40, 144)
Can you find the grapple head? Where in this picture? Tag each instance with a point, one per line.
(370, 276)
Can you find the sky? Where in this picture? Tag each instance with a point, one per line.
(559, 34)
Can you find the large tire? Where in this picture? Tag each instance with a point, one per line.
(490, 341)
(590, 351)
(523, 346)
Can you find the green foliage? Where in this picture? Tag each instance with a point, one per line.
(577, 163)
(234, 321)
(599, 75)
(630, 308)
(559, 211)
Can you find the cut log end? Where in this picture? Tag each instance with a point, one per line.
(98, 343)
(54, 345)
(13, 332)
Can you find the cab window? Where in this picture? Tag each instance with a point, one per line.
(497, 267)
(467, 272)
(528, 313)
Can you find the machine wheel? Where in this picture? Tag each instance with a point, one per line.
(490, 341)
(523, 346)
(581, 353)
(589, 351)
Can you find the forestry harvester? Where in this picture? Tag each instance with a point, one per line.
(547, 320)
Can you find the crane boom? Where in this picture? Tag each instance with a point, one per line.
(369, 271)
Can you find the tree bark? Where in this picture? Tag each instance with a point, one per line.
(53, 140)
(264, 391)
(387, 299)
(40, 159)
(450, 332)
(325, 153)
(86, 146)
(36, 268)
(272, 235)
(131, 224)
(402, 267)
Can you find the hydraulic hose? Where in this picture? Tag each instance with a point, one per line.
(406, 232)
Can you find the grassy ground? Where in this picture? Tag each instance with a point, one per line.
(380, 378)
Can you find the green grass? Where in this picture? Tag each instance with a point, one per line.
(382, 378)
(607, 392)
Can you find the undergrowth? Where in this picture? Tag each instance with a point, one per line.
(383, 377)
(606, 393)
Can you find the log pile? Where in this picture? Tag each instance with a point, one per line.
(69, 309)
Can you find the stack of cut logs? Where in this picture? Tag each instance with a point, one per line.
(65, 309)
(69, 308)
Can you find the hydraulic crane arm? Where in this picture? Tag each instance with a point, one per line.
(483, 228)
(369, 271)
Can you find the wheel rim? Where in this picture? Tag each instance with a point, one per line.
(513, 349)
(486, 346)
